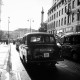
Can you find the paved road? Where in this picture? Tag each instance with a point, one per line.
(64, 70)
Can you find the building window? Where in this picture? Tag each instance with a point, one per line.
(69, 19)
(62, 2)
(78, 15)
(50, 18)
(69, 7)
(62, 10)
(73, 17)
(78, 2)
(59, 22)
(59, 12)
(65, 21)
(65, 9)
(62, 22)
(54, 24)
(57, 6)
(73, 4)
(54, 16)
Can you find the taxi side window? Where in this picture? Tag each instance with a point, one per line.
(51, 39)
(47, 39)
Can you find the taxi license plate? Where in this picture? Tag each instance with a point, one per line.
(46, 54)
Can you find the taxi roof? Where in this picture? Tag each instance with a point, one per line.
(69, 34)
(37, 33)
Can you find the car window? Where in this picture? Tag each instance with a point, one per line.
(76, 39)
(73, 39)
(47, 39)
(36, 39)
(52, 39)
(42, 39)
(66, 40)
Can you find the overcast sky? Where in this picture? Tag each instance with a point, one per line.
(20, 11)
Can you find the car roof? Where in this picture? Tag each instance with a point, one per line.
(71, 34)
(37, 33)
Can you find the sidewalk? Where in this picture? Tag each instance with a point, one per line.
(6, 72)
(4, 75)
(13, 69)
(4, 49)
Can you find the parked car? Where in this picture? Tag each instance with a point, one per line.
(39, 48)
(71, 46)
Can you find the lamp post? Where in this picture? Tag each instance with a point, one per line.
(30, 23)
(8, 28)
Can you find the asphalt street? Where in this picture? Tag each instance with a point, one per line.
(65, 70)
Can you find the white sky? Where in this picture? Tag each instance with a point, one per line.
(20, 11)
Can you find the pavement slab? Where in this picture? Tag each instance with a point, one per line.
(4, 75)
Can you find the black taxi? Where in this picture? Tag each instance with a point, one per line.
(39, 48)
(71, 46)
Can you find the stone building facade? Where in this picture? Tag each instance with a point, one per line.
(64, 17)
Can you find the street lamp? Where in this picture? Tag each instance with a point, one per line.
(8, 28)
(30, 23)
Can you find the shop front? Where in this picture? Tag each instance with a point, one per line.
(65, 31)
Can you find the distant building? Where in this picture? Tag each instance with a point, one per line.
(64, 17)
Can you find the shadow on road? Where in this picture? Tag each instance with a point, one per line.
(46, 73)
